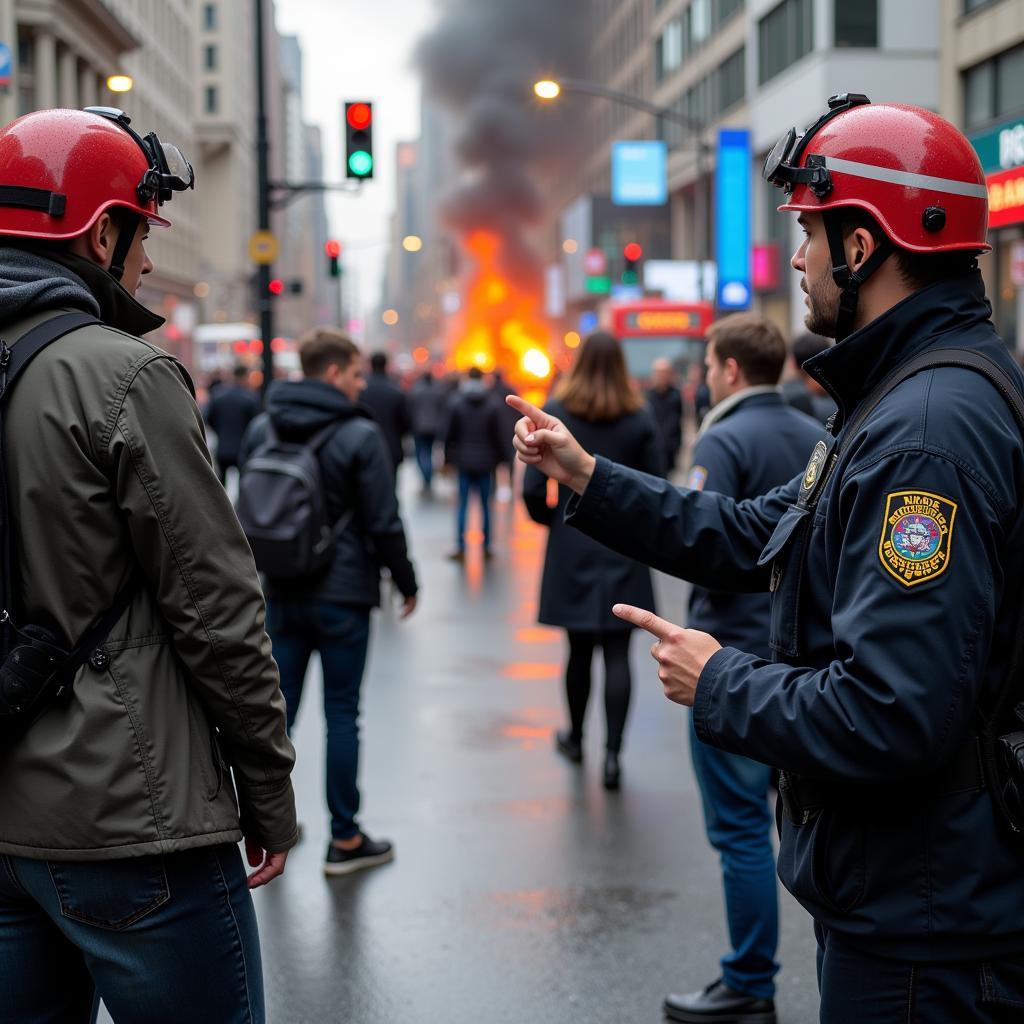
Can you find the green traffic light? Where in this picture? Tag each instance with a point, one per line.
(360, 163)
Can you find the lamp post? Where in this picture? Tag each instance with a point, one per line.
(551, 89)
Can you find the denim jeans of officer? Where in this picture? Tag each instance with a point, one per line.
(858, 988)
(739, 824)
(481, 483)
(341, 634)
(162, 939)
(425, 456)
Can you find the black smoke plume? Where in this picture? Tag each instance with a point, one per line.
(481, 61)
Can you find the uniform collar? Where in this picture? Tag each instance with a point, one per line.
(761, 394)
(849, 370)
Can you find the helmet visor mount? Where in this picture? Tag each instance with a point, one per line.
(168, 170)
(782, 165)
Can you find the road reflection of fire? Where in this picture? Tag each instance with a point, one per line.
(500, 326)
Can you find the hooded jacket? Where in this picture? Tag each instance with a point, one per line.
(893, 608)
(357, 477)
(473, 438)
(108, 469)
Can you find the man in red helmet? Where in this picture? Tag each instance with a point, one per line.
(121, 804)
(894, 563)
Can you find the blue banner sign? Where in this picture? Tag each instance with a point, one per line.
(639, 173)
(5, 64)
(732, 218)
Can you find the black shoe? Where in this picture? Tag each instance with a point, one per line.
(611, 770)
(719, 1004)
(368, 854)
(570, 749)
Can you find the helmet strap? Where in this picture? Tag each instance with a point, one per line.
(850, 280)
(123, 244)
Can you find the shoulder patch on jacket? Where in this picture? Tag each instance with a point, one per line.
(917, 535)
(697, 478)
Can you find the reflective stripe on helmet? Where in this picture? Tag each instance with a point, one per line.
(906, 178)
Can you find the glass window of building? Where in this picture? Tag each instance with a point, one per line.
(210, 58)
(973, 5)
(856, 24)
(979, 94)
(1010, 81)
(731, 80)
(785, 34)
(209, 16)
(669, 49)
(700, 22)
(994, 88)
(723, 10)
(212, 100)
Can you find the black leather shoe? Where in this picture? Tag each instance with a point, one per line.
(611, 770)
(570, 749)
(719, 1004)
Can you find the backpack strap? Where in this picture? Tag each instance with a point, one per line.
(13, 360)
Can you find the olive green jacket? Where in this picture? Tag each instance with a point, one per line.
(108, 468)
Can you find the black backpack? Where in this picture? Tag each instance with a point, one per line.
(282, 509)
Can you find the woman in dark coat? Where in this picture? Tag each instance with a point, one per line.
(583, 579)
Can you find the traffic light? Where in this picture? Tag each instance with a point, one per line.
(632, 253)
(359, 140)
(276, 286)
(333, 250)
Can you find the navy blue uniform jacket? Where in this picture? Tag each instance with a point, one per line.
(760, 443)
(896, 626)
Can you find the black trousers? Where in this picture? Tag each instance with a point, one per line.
(857, 988)
(618, 683)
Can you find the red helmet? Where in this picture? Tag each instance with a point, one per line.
(915, 173)
(60, 169)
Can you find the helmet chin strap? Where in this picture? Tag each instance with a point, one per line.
(125, 237)
(850, 280)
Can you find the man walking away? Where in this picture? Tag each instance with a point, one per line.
(426, 411)
(122, 805)
(331, 613)
(801, 390)
(500, 389)
(228, 414)
(474, 444)
(750, 442)
(389, 406)
(666, 403)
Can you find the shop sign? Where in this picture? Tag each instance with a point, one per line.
(1006, 197)
(657, 318)
(1001, 152)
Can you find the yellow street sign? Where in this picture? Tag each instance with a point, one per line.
(263, 247)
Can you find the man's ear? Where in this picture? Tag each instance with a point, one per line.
(859, 247)
(97, 244)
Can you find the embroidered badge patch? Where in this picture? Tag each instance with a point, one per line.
(916, 536)
(697, 478)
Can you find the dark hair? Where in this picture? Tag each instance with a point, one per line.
(597, 387)
(240, 372)
(918, 269)
(379, 362)
(806, 345)
(323, 347)
(475, 373)
(754, 342)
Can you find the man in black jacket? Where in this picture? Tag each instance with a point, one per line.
(388, 405)
(331, 614)
(666, 403)
(474, 443)
(229, 414)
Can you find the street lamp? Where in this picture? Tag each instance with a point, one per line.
(120, 83)
(549, 89)
(412, 243)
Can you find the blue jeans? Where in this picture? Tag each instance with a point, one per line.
(739, 822)
(425, 456)
(162, 939)
(341, 633)
(858, 988)
(481, 483)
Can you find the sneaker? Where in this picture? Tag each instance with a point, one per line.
(368, 854)
(719, 1004)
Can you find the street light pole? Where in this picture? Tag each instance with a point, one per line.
(264, 298)
(551, 89)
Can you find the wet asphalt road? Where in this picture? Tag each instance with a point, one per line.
(521, 890)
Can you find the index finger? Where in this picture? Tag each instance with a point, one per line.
(523, 407)
(654, 625)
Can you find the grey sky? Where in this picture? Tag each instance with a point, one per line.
(360, 49)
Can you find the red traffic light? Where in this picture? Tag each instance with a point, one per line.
(333, 248)
(276, 286)
(633, 252)
(359, 116)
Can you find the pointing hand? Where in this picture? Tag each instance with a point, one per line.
(545, 442)
(681, 654)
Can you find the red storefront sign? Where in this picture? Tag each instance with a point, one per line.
(1006, 197)
(654, 318)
